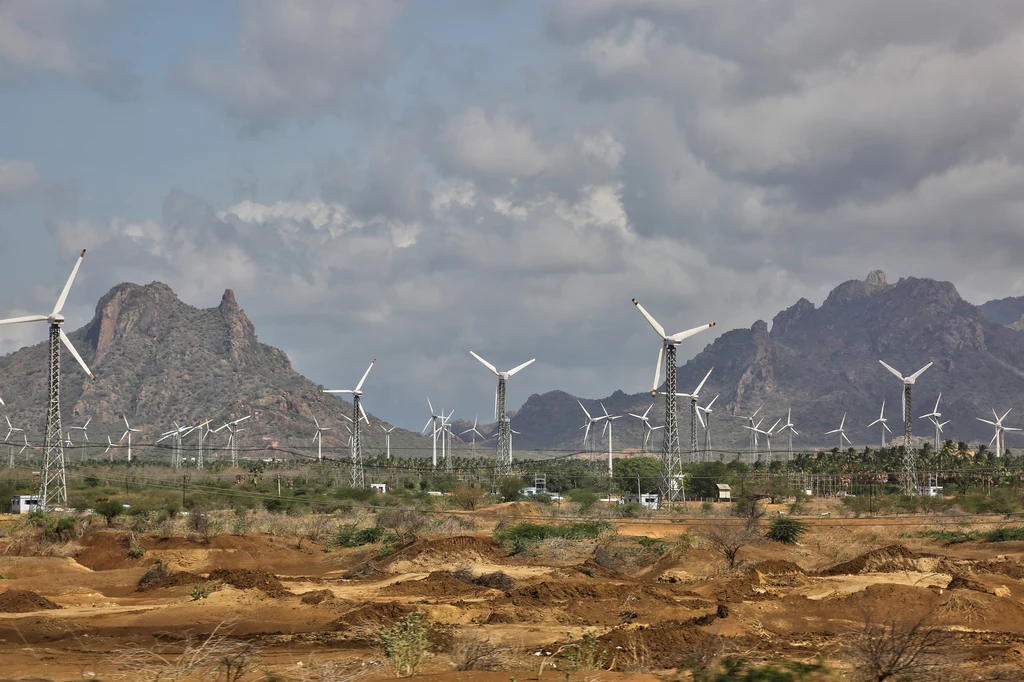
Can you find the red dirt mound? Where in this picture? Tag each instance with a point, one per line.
(891, 559)
(963, 582)
(445, 548)
(159, 576)
(1011, 569)
(667, 644)
(247, 579)
(24, 601)
(374, 613)
(318, 597)
(776, 567)
(437, 584)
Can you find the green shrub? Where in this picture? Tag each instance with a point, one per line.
(347, 535)
(786, 529)
(523, 535)
(200, 592)
(406, 644)
(109, 509)
(742, 670)
(586, 653)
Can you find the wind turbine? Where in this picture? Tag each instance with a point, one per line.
(792, 432)
(933, 417)
(841, 432)
(504, 423)
(110, 444)
(356, 449)
(882, 420)
(84, 428)
(645, 420)
(446, 440)
(475, 433)
(608, 419)
(1000, 429)
(177, 432)
(387, 438)
(671, 462)
(706, 421)
(204, 430)
(128, 432)
(233, 432)
(909, 476)
(7, 439)
(753, 431)
(318, 438)
(694, 414)
(939, 426)
(591, 421)
(432, 425)
(52, 482)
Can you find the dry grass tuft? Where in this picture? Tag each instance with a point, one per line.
(477, 654)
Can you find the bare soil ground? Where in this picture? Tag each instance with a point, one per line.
(653, 607)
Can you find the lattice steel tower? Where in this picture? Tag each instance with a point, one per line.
(671, 459)
(356, 443)
(504, 463)
(908, 477)
(52, 482)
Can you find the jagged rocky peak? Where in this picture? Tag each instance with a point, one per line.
(856, 289)
(124, 307)
(785, 319)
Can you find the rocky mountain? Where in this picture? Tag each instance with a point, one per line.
(823, 362)
(1006, 311)
(158, 360)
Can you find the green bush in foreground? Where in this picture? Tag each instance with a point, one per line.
(786, 529)
(406, 644)
(348, 536)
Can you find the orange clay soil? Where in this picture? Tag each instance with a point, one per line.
(312, 613)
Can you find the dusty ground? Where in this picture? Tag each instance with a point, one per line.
(310, 613)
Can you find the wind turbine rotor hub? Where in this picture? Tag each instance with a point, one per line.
(56, 318)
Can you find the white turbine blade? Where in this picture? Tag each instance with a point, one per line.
(605, 427)
(752, 428)
(337, 390)
(67, 287)
(485, 363)
(603, 409)
(707, 408)
(936, 410)
(239, 421)
(125, 422)
(359, 386)
(843, 434)
(87, 421)
(653, 322)
(892, 369)
(522, 366)
(165, 436)
(27, 318)
(690, 332)
(701, 384)
(74, 354)
(843, 423)
(881, 415)
(587, 432)
(994, 438)
(655, 428)
(913, 377)
(827, 433)
(427, 425)
(363, 412)
(877, 421)
(584, 409)
(123, 435)
(648, 411)
(8, 419)
(1004, 415)
(316, 422)
(756, 411)
(701, 420)
(430, 406)
(772, 430)
(986, 421)
(886, 427)
(657, 369)
(1005, 428)
(2, 401)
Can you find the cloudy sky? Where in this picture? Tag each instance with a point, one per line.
(411, 180)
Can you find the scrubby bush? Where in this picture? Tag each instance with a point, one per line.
(467, 497)
(786, 529)
(406, 644)
(347, 535)
(521, 536)
(586, 499)
(403, 522)
(109, 510)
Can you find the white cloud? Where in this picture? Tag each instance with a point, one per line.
(301, 59)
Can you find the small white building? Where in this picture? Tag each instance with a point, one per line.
(23, 504)
(724, 492)
(648, 500)
(381, 488)
(528, 492)
(931, 490)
